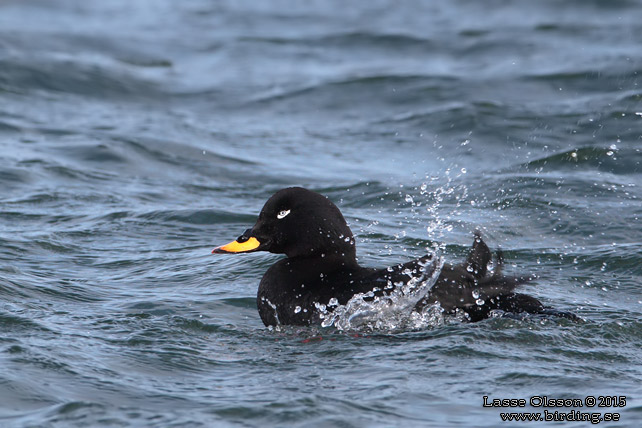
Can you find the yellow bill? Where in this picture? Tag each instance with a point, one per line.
(238, 247)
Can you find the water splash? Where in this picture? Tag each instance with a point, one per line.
(438, 224)
(392, 312)
(395, 312)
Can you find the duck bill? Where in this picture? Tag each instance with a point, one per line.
(251, 244)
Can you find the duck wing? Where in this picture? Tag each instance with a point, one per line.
(417, 271)
(408, 277)
(470, 287)
(456, 287)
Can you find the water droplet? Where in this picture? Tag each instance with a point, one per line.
(480, 301)
(469, 268)
(333, 302)
(297, 309)
(476, 294)
(409, 199)
(463, 170)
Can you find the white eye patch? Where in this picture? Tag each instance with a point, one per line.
(282, 214)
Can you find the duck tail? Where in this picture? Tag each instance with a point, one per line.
(499, 261)
(479, 256)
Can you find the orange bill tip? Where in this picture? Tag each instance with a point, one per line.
(238, 247)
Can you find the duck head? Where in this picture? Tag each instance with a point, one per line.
(298, 223)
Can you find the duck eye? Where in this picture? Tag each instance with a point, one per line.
(282, 214)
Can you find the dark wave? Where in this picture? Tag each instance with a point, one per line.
(198, 217)
(613, 160)
(350, 40)
(72, 78)
(12, 323)
(341, 88)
